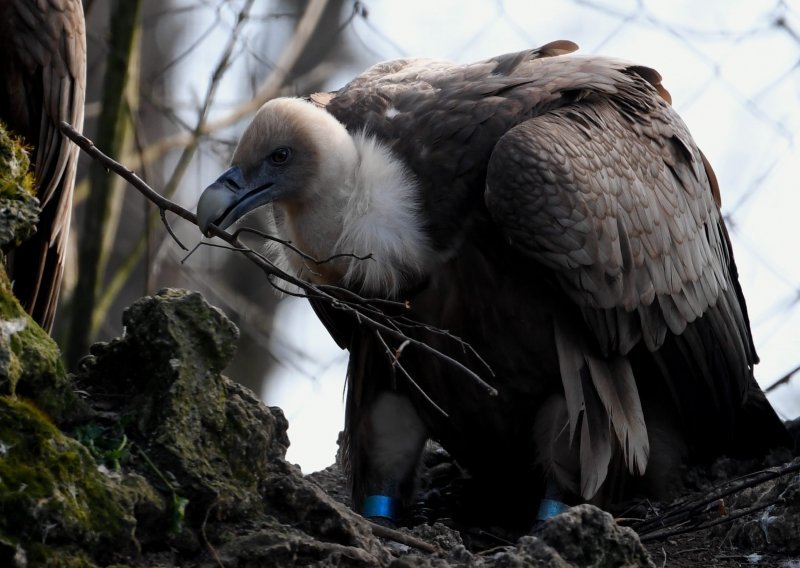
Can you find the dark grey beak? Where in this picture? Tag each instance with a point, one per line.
(230, 197)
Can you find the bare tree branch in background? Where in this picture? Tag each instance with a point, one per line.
(269, 89)
(783, 380)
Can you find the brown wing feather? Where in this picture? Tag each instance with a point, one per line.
(44, 61)
(611, 194)
(621, 208)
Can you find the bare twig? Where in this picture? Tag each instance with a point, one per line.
(128, 175)
(291, 247)
(395, 358)
(665, 534)
(365, 312)
(209, 546)
(692, 515)
(172, 234)
(401, 537)
(783, 380)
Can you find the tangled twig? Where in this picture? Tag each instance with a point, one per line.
(695, 513)
(366, 311)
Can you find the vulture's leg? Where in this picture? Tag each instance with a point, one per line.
(394, 438)
(558, 458)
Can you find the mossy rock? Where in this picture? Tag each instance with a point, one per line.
(19, 208)
(57, 507)
(30, 361)
(211, 437)
(211, 448)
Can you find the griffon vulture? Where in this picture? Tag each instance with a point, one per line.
(551, 210)
(43, 70)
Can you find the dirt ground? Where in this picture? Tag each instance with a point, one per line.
(732, 513)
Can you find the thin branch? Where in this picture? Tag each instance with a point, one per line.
(209, 546)
(401, 537)
(128, 175)
(466, 347)
(291, 247)
(665, 534)
(355, 298)
(339, 298)
(395, 358)
(172, 234)
(783, 380)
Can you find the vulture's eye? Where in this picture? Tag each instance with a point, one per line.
(280, 156)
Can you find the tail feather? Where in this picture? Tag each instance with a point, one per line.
(616, 388)
(597, 445)
(601, 395)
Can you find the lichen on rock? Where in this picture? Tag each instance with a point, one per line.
(162, 381)
(207, 443)
(19, 208)
(30, 361)
(52, 495)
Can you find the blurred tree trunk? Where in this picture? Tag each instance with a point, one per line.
(110, 136)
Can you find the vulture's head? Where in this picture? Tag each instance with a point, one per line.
(331, 193)
(293, 154)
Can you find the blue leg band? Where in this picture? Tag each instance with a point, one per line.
(549, 508)
(379, 506)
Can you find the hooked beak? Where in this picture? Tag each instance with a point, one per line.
(230, 197)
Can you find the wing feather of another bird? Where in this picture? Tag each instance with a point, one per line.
(46, 55)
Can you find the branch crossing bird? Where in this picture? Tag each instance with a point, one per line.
(43, 69)
(552, 210)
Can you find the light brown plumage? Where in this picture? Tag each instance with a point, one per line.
(43, 65)
(557, 216)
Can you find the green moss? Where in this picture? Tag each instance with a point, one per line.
(207, 442)
(19, 208)
(15, 176)
(51, 557)
(30, 361)
(51, 492)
